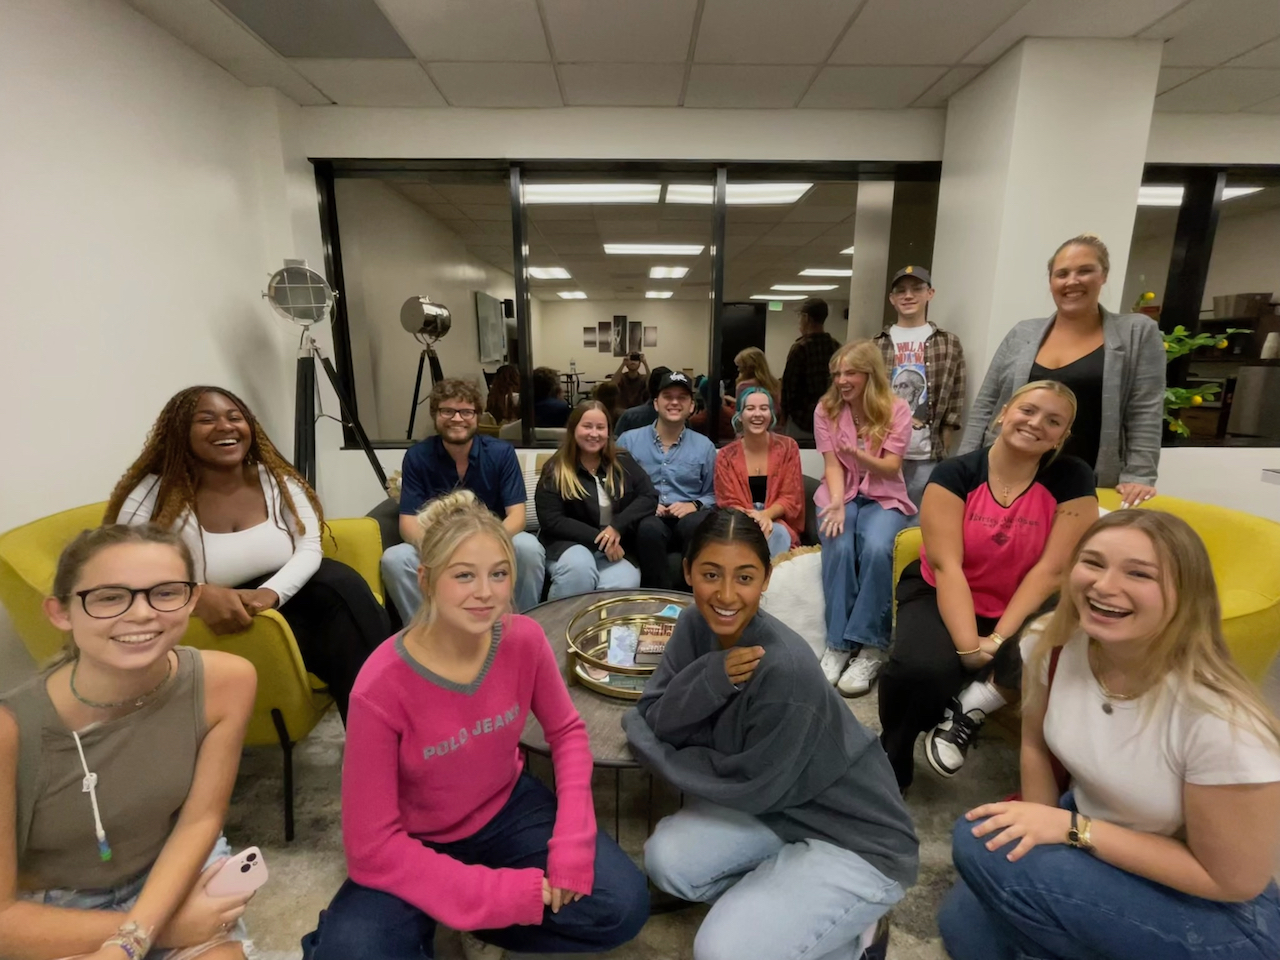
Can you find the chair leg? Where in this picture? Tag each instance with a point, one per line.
(286, 746)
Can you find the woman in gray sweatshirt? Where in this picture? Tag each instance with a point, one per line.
(792, 825)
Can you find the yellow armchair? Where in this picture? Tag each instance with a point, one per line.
(1243, 551)
(290, 701)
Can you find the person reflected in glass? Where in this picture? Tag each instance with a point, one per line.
(1166, 842)
(645, 413)
(549, 406)
(632, 380)
(1113, 363)
(753, 371)
(862, 430)
(503, 403)
(759, 472)
(606, 393)
(590, 500)
(807, 375)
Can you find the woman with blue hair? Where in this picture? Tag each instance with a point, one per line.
(759, 473)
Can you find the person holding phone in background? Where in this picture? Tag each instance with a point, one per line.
(633, 385)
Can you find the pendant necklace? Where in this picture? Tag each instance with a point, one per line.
(1110, 695)
(137, 701)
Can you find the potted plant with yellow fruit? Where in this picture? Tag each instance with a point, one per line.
(1179, 343)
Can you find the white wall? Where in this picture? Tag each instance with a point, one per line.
(1214, 138)
(683, 334)
(392, 249)
(1229, 477)
(147, 198)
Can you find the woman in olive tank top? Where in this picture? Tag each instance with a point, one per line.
(117, 763)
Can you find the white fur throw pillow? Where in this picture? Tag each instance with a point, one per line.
(795, 597)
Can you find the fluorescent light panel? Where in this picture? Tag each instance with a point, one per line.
(655, 249)
(847, 251)
(592, 192)
(667, 273)
(826, 272)
(571, 295)
(1166, 196)
(738, 194)
(777, 296)
(658, 294)
(803, 286)
(549, 273)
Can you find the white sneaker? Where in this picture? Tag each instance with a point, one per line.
(833, 664)
(862, 672)
(473, 948)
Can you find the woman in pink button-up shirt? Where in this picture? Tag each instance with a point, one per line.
(862, 431)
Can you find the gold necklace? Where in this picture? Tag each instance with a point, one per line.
(138, 700)
(1102, 684)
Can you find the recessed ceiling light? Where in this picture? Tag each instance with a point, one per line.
(592, 192)
(655, 249)
(571, 295)
(738, 194)
(847, 251)
(1156, 196)
(658, 294)
(825, 272)
(777, 296)
(803, 286)
(549, 273)
(667, 273)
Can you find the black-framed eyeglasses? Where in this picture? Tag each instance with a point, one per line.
(103, 603)
(449, 413)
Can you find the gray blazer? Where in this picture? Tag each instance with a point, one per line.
(1132, 394)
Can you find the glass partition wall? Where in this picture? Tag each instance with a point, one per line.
(557, 274)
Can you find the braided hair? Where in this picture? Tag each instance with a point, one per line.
(167, 454)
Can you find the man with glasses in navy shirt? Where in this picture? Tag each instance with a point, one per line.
(459, 457)
(682, 465)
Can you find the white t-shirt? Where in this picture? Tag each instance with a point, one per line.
(230, 559)
(606, 505)
(910, 381)
(1128, 767)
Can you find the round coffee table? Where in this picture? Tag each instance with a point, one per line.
(601, 714)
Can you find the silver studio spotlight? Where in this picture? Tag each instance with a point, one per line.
(304, 297)
(428, 321)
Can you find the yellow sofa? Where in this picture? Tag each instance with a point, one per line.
(1245, 553)
(290, 701)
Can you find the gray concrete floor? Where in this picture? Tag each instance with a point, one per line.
(306, 872)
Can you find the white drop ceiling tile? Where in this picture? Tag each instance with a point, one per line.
(612, 228)
(484, 30)
(204, 27)
(460, 193)
(371, 83)
(686, 211)
(833, 193)
(553, 229)
(1221, 91)
(854, 88)
(417, 192)
(767, 31)
(628, 211)
(1079, 18)
(747, 87)
(1266, 106)
(816, 213)
(901, 32)
(496, 84)
(1222, 31)
(948, 84)
(622, 84)
(322, 29)
(271, 71)
(559, 211)
(1171, 77)
(481, 212)
(1267, 55)
(624, 31)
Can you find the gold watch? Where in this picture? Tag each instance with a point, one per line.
(1078, 835)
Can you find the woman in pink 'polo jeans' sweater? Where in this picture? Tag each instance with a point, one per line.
(439, 822)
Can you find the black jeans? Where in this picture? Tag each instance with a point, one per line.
(656, 537)
(337, 622)
(924, 674)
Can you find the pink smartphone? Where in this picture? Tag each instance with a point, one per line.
(241, 874)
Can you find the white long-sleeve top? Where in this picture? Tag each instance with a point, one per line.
(230, 559)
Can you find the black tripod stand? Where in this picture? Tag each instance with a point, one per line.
(428, 352)
(305, 406)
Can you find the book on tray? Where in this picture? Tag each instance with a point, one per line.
(652, 642)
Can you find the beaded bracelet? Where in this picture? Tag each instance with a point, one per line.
(131, 939)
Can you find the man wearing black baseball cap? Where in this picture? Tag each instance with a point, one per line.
(682, 465)
(926, 369)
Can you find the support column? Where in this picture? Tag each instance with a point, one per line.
(1048, 143)
(871, 229)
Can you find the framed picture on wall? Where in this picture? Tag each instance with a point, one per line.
(589, 337)
(491, 327)
(650, 337)
(635, 336)
(604, 336)
(618, 338)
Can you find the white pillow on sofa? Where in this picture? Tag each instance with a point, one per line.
(795, 596)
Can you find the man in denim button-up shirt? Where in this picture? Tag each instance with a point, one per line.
(682, 465)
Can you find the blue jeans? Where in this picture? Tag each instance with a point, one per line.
(772, 899)
(124, 896)
(581, 570)
(915, 474)
(780, 539)
(400, 574)
(1059, 903)
(857, 575)
(366, 924)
